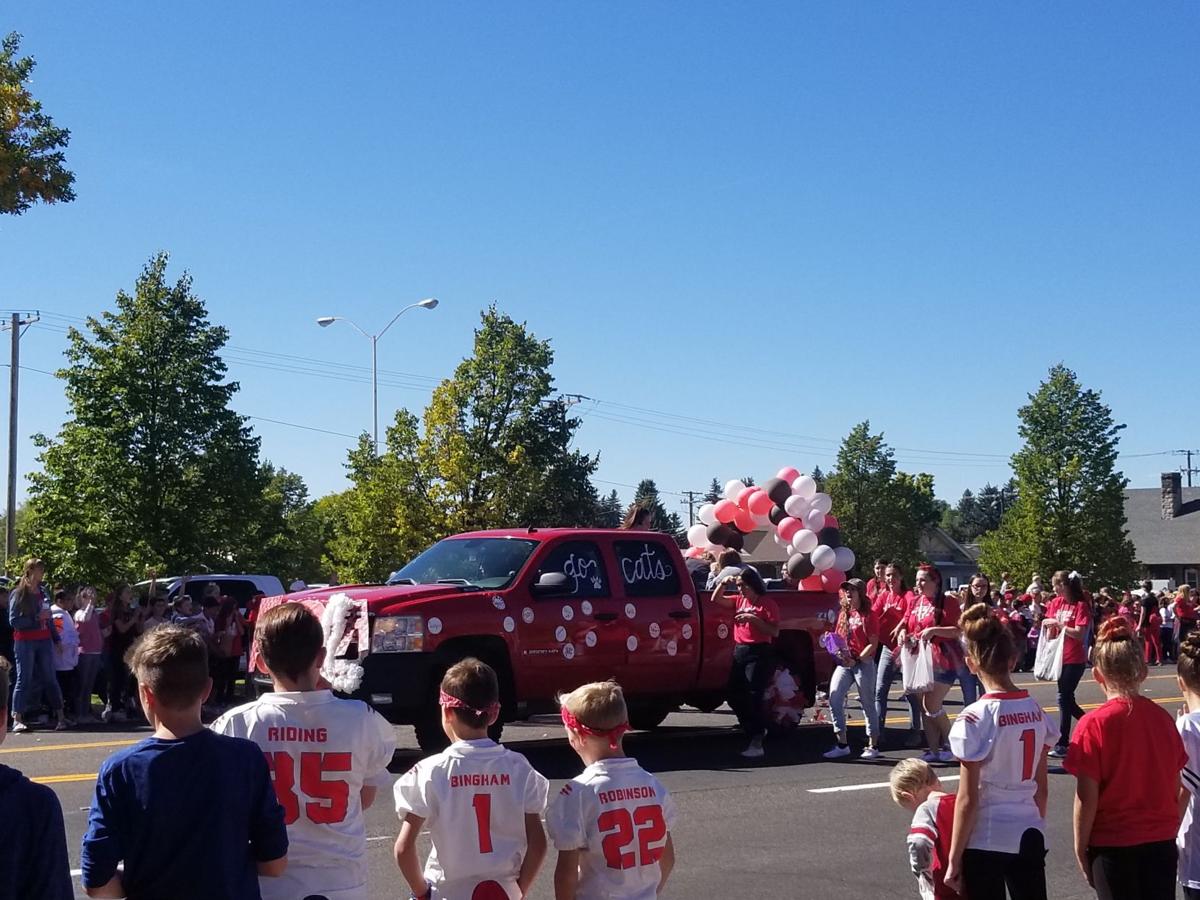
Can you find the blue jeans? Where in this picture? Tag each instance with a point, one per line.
(863, 675)
(970, 686)
(889, 669)
(1068, 708)
(35, 673)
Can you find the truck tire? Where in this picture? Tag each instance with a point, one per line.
(648, 716)
(428, 723)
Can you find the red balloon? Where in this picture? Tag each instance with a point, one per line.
(832, 579)
(725, 511)
(788, 474)
(788, 528)
(759, 503)
(743, 497)
(812, 583)
(744, 522)
(693, 552)
(830, 521)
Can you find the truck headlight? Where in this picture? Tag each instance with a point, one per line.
(398, 634)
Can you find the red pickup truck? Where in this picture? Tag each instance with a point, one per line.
(550, 609)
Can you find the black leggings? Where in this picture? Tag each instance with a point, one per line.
(753, 665)
(1068, 708)
(988, 872)
(1141, 872)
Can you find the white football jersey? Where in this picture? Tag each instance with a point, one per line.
(1008, 733)
(1189, 829)
(474, 797)
(620, 816)
(322, 751)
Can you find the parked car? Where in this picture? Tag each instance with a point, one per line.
(550, 609)
(240, 587)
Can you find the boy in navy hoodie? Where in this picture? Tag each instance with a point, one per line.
(33, 842)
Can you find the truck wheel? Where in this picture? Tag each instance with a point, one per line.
(647, 717)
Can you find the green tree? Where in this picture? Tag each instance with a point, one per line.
(819, 477)
(32, 162)
(153, 468)
(282, 532)
(716, 492)
(975, 514)
(881, 512)
(609, 511)
(1070, 506)
(496, 449)
(647, 495)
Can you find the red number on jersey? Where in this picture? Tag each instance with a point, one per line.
(328, 800)
(483, 820)
(1028, 739)
(617, 826)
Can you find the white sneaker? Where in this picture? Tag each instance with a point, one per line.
(871, 753)
(18, 728)
(839, 751)
(930, 757)
(947, 757)
(755, 750)
(106, 715)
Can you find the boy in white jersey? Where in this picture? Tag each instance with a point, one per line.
(612, 824)
(482, 802)
(327, 756)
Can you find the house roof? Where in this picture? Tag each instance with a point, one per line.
(1160, 541)
(941, 549)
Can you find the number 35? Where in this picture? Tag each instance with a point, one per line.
(618, 826)
(328, 801)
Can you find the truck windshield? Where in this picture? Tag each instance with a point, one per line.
(483, 562)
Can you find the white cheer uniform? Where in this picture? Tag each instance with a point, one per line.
(322, 751)
(474, 797)
(619, 816)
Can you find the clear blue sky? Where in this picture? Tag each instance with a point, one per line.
(785, 217)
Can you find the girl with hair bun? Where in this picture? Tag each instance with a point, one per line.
(1126, 757)
(1070, 613)
(1188, 724)
(1001, 741)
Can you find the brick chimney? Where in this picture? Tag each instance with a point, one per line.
(1172, 494)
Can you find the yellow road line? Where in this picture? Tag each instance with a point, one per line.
(60, 779)
(41, 748)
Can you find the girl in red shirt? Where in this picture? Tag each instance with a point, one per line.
(1126, 757)
(857, 624)
(933, 618)
(1150, 628)
(755, 627)
(1071, 614)
(890, 608)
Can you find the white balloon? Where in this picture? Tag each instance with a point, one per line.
(804, 486)
(761, 520)
(733, 488)
(815, 520)
(698, 536)
(805, 541)
(796, 507)
(707, 513)
(823, 558)
(844, 559)
(823, 502)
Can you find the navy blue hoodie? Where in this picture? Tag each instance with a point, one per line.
(33, 841)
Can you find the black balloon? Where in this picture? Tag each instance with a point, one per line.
(777, 515)
(736, 541)
(799, 567)
(830, 536)
(778, 490)
(719, 534)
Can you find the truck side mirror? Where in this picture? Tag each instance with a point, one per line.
(550, 584)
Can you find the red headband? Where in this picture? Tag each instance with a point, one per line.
(613, 734)
(448, 702)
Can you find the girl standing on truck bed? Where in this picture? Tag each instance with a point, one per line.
(755, 626)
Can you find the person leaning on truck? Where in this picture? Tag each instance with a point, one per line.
(755, 626)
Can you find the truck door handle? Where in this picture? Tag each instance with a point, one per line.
(604, 617)
(681, 614)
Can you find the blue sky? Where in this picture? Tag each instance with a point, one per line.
(744, 228)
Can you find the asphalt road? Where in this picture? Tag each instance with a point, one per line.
(792, 826)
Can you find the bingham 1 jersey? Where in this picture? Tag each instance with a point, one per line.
(1007, 732)
(619, 816)
(474, 797)
(321, 751)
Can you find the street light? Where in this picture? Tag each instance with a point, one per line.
(326, 321)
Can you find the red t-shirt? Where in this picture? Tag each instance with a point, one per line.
(890, 610)
(1186, 610)
(861, 631)
(874, 587)
(922, 614)
(766, 609)
(1120, 745)
(1071, 615)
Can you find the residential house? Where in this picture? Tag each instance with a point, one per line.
(1164, 525)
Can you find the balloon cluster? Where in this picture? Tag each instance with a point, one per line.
(802, 520)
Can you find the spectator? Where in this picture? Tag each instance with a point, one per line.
(639, 518)
(91, 653)
(859, 627)
(1167, 613)
(1150, 629)
(126, 623)
(890, 608)
(33, 840)
(229, 629)
(879, 582)
(1035, 585)
(66, 651)
(1185, 612)
(33, 641)
(1070, 614)
(1005, 587)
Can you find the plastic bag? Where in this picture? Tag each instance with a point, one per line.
(1047, 665)
(785, 700)
(916, 667)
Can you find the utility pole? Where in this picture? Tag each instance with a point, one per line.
(14, 383)
(690, 503)
(1189, 470)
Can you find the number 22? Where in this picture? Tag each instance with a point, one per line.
(617, 826)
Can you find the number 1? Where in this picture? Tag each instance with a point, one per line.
(483, 820)
(1028, 738)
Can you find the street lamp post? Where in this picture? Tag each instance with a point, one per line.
(326, 321)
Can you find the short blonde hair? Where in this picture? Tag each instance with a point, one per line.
(909, 776)
(599, 705)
